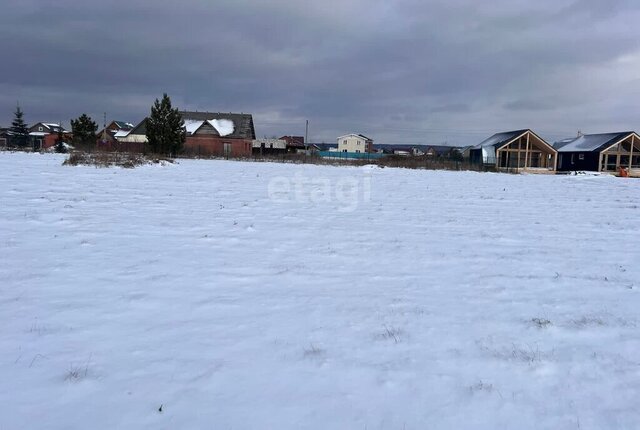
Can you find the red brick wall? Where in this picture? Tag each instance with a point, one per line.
(51, 139)
(214, 145)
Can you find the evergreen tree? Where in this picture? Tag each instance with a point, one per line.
(165, 128)
(84, 131)
(19, 131)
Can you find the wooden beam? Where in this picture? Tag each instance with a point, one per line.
(526, 152)
(633, 141)
(600, 162)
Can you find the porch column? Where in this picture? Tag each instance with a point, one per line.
(600, 162)
(526, 152)
(633, 141)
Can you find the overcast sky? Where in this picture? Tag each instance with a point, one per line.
(399, 71)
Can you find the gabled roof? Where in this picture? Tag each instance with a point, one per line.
(224, 127)
(242, 122)
(294, 141)
(362, 136)
(500, 139)
(140, 128)
(591, 142)
(50, 127)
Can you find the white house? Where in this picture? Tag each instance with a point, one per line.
(356, 143)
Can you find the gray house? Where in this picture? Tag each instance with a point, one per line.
(606, 152)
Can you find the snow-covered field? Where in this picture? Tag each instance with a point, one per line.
(267, 296)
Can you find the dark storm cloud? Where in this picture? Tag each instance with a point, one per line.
(404, 71)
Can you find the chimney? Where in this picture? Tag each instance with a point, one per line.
(580, 133)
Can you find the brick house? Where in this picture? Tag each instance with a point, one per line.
(208, 133)
(216, 133)
(43, 135)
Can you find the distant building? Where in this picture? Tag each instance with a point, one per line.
(294, 143)
(607, 152)
(208, 133)
(520, 150)
(356, 143)
(216, 133)
(43, 135)
(108, 135)
(269, 146)
(417, 150)
(131, 140)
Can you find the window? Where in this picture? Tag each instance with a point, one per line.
(40, 128)
(344, 142)
(573, 161)
(580, 156)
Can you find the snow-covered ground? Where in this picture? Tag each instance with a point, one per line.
(267, 296)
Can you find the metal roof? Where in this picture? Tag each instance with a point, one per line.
(499, 139)
(590, 142)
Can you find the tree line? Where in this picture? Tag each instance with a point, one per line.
(166, 133)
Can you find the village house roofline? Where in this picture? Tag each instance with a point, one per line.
(362, 136)
(502, 139)
(243, 122)
(593, 142)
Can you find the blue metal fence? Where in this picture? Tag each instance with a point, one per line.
(351, 155)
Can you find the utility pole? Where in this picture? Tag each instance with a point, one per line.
(104, 128)
(306, 133)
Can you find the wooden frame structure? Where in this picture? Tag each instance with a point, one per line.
(527, 152)
(624, 154)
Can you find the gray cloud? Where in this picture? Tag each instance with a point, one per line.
(403, 71)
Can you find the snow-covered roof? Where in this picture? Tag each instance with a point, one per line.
(242, 123)
(121, 133)
(591, 142)
(38, 133)
(224, 127)
(191, 125)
